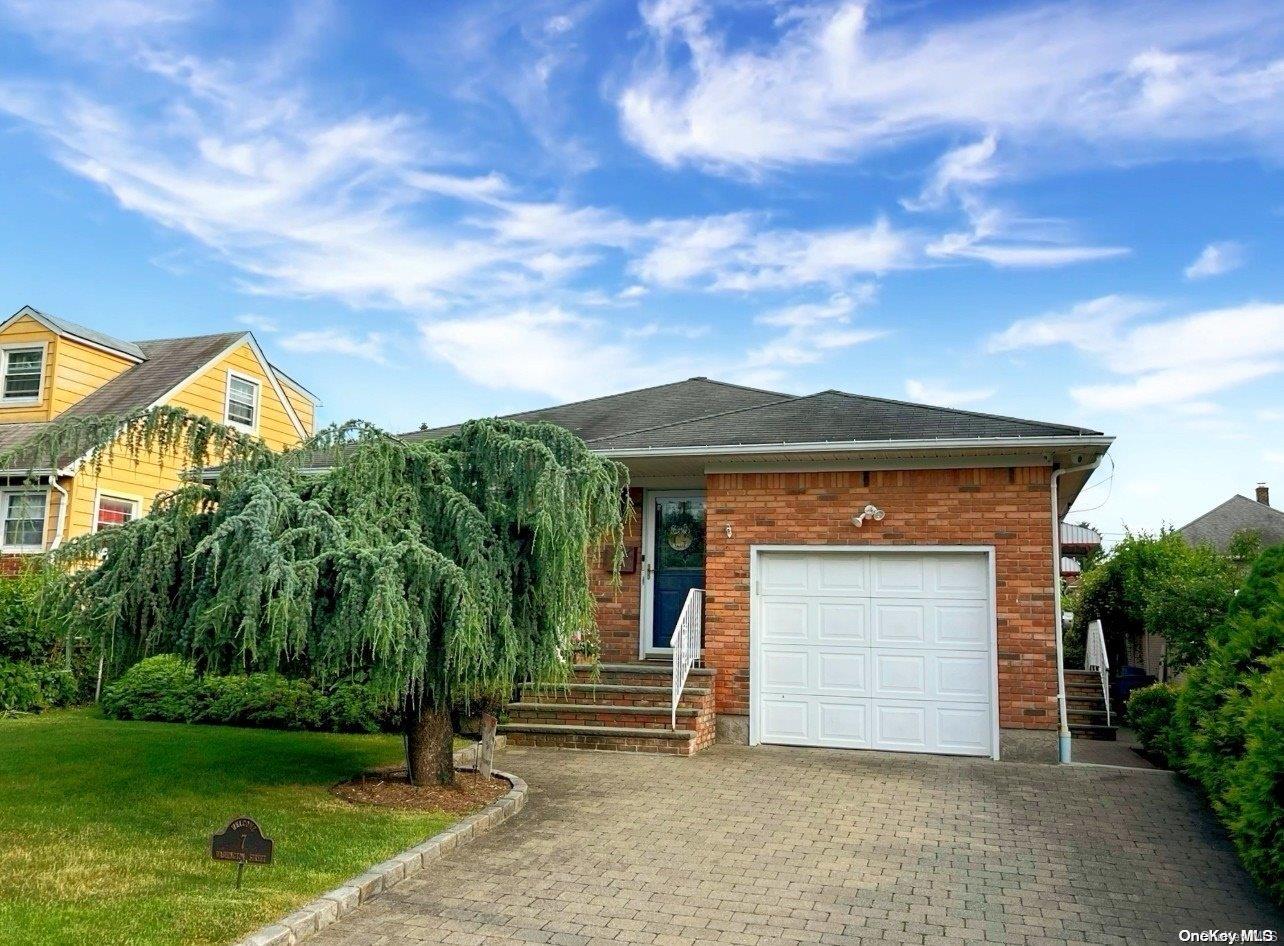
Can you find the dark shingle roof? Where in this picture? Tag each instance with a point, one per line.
(169, 362)
(645, 408)
(1239, 513)
(833, 416)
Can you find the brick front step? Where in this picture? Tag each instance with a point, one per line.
(624, 707)
(599, 714)
(615, 694)
(612, 738)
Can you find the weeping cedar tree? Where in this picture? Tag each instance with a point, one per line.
(445, 571)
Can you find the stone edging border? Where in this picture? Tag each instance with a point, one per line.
(343, 900)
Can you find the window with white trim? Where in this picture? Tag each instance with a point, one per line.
(22, 370)
(114, 511)
(242, 402)
(24, 519)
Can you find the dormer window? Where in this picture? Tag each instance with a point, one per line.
(242, 409)
(21, 372)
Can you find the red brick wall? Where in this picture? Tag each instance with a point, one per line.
(11, 564)
(1004, 507)
(618, 611)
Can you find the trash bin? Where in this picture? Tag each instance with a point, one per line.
(1127, 680)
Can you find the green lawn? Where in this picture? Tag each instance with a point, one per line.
(105, 826)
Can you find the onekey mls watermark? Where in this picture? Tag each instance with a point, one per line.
(1228, 936)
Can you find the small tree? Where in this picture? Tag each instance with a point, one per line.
(1161, 585)
(446, 571)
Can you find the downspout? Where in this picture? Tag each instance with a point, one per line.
(1063, 734)
(62, 511)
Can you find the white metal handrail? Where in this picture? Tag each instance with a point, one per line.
(1095, 658)
(686, 642)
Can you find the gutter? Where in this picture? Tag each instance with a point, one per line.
(1063, 733)
(62, 513)
(864, 446)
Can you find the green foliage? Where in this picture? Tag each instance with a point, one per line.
(1244, 547)
(444, 571)
(1262, 585)
(166, 688)
(1156, 584)
(32, 688)
(33, 624)
(162, 688)
(1223, 724)
(1150, 712)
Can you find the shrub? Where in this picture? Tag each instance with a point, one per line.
(1149, 713)
(167, 689)
(161, 688)
(1252, 804)
(28, 688)
(1262, 586)
(32, 626)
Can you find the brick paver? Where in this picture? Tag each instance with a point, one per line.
(773, 845)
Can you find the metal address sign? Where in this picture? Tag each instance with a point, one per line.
(241, 842)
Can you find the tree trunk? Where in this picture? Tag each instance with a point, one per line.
(430, 751)
(486, 753)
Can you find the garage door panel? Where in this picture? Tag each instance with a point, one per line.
(900, 675)
(842, 622)
(842, 575)
(961, 677)
(786, 669)
(900, 622)
(845, 672)
(786, 721)
(901, 726)
(785, 619)
(875, 650)
(843, 723)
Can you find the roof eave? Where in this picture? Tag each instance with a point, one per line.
(863, 446)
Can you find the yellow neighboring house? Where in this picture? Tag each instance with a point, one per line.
(51, 368)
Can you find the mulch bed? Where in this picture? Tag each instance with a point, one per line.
(390, 788)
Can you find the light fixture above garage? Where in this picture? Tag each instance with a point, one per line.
(869, 512)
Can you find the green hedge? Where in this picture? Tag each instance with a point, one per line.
(168, 689)
(1222, 724)
(31, 688)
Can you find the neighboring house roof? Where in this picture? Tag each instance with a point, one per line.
(1070, 566)
(79, 332)
(1218, 526)
(700, 412)
(1076, 537)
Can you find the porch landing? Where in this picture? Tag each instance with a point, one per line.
(623, 707)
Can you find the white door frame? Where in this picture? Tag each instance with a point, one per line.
(645, 649)
(755, 656)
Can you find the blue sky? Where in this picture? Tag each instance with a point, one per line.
(1067, 211)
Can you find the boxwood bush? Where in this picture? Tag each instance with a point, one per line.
(1223, 723)
(167, 688)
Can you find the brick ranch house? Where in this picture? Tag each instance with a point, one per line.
(876, 574)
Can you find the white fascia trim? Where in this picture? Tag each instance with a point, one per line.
(861, 446)
(63, 333)
(270, 374)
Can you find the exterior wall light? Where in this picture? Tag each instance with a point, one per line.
(869, 512)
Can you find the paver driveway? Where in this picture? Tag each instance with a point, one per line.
(773, 845)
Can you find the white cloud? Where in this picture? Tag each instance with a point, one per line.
(934, 392)
(545, 350)
(812, 331)
(331, 341)
(960, 170)
(1166, 362)
(259, 323)
(831, 82)
(1215, 259)
(735, 252)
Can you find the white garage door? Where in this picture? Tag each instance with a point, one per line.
(874, 650)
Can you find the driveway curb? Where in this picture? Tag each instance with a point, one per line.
(367, 886)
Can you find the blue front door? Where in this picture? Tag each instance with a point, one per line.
(678, 558)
